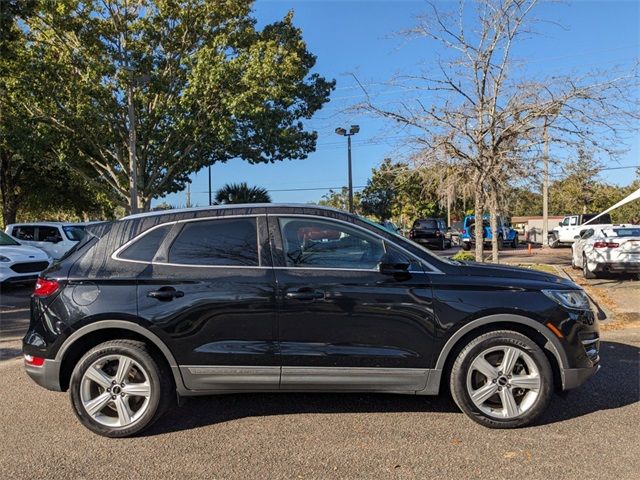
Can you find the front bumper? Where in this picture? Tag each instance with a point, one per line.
(574, 377)
(47, 375)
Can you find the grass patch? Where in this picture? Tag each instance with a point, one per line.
(543, 267)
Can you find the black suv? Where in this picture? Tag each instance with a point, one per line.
(432, 232)
(295, 298)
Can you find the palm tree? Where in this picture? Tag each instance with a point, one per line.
(242, 193)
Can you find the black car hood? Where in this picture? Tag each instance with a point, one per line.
(505, 271)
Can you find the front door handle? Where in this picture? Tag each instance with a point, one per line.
(305, 294)
(165, 294)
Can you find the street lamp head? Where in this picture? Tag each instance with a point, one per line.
(354, 129)
(341, 131)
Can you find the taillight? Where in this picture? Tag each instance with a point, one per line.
(45, 287)
(33, 361)
(605, 245)
(463, 231)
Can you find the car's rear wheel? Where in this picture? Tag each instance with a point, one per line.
(514, 242)
(118, 388)
(502, 379)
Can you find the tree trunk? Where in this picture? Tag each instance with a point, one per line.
(493, 212)
(10, 200)
(477, 211)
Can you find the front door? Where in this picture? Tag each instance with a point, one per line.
(211, 289)
(342, 324)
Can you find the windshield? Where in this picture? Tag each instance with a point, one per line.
(75, 233)
(6, 240)
(627, 232)
(425, 224)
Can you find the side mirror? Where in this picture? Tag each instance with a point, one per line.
(391, 264)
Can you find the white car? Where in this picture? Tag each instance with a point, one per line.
(20, 263)
(55, 238)
(613, 249)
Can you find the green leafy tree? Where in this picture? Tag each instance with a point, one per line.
(379, 196)
(172, 87)
(340, 199)
(242, 193)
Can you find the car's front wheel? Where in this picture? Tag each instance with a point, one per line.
(119, 388)
(502, 379)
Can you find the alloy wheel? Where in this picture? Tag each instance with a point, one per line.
(503, 382)
(115, 391)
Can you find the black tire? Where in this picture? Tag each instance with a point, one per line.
(460, 373)
(500, 242)
(514, 242)
(586, 273)
(161, 386)
(443, 243)
(465, 245)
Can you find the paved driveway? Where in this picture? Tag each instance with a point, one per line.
(589, 433)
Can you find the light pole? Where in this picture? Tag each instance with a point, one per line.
(210, 200)
(352, 131)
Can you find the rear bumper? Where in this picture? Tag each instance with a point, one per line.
(618, 267)
(47, 376)
(574, 377)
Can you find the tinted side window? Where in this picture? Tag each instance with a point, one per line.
(326, 244)
(48, 234)
(144, 248)
(231, 242)
(24, 233)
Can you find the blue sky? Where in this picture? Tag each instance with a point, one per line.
(360, 37)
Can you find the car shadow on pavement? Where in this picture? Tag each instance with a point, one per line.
(616, 385)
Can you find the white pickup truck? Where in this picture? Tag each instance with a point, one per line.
(571, 226)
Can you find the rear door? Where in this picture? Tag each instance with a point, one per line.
(211, 289)
(425, 230)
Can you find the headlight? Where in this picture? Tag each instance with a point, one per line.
(4, 259)
(575, 299)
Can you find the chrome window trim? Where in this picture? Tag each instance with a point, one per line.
(115, 255)
(423, 262)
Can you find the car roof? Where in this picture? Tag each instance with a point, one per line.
(235, 206)
(46, 224)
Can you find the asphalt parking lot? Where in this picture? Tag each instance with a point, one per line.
(591, 432)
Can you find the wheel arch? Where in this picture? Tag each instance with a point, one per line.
(535, 330)
(87, 337)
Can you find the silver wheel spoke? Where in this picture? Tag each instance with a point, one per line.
(509, 405)
(94, 406)
(124, 365)
(485, 368)
(511, 355)
(98, 376)
(124, 412)
(484, 393)
(529, 382)
(137, 389)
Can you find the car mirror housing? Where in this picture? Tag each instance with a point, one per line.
(393, 265)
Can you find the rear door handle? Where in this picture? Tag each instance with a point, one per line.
(305, 294)
(165, 294)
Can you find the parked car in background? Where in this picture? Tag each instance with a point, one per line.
(431, 232)
(296, 298)
(570, 228)
(614, 249)
(20, 263)
(55, 238)
(506, 234)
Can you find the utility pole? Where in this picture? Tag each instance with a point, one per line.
(352, 131)
(210, 199)
(133, 159)
(188, 203)
(545, 187)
